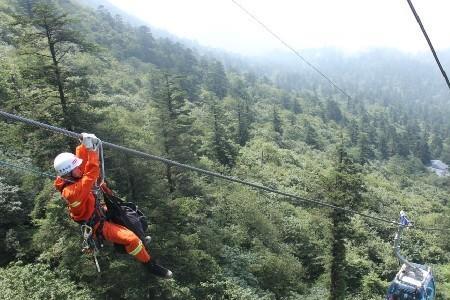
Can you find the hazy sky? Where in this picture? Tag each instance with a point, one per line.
(346, 24)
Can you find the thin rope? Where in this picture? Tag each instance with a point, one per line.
(429, 42)
(27, 169)
(292, 49)
(206, 172)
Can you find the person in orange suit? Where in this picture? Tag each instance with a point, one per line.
(77, 175)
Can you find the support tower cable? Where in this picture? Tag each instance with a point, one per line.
(429, 42)
(292, 49)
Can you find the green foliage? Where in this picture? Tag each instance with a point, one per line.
(344, 187)
(277, 127)
(174, 127)
(333, 111)
(37, 281)
(11, 210)
(216, 79)
(219, 143)
(50, 41)
(443, 275)
(10, 204)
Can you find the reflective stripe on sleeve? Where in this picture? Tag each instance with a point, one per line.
(137, 249)
(75, 204)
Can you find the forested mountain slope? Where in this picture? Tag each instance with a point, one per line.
(285, 129)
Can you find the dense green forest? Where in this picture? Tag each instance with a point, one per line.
(87, 70)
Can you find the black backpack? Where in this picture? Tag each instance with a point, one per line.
(126, 214)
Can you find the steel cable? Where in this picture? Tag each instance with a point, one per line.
(429, 42)
(206, 172)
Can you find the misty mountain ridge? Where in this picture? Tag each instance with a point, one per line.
(278, 56)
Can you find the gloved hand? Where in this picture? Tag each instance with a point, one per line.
(90, 141)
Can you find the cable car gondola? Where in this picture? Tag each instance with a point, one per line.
(413, 281)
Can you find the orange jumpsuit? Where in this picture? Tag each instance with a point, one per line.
(81, 203)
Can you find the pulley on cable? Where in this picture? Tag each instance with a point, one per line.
(413, 281)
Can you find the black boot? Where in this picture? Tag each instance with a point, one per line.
(158, 270)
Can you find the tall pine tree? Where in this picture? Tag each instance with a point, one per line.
(222, 147)
(48, 40)
(344, 188)
(174, 128)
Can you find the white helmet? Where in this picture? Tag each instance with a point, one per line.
(66, 162)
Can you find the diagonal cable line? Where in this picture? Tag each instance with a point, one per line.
(292, 49)
(207, 172)
(429, 42)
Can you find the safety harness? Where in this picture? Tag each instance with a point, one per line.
(117, 210)
(91, 230)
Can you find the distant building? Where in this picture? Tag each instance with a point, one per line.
(439, 168)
